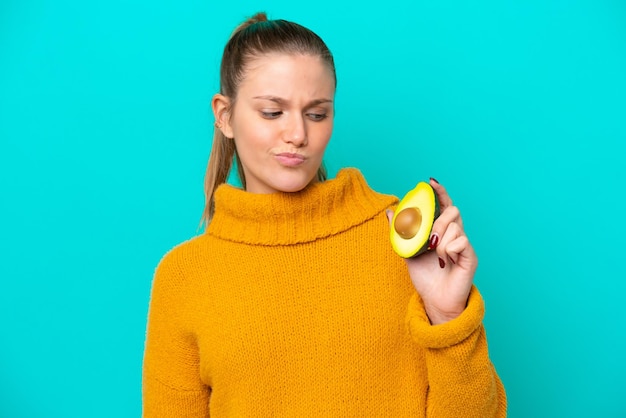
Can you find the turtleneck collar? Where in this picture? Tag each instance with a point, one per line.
(319, 210)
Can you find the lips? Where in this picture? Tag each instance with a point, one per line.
(289, 159)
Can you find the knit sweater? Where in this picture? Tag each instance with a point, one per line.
(295, 305)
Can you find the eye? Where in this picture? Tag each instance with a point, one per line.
(317, 117)
(271, 115)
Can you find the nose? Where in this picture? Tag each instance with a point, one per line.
(295, 131)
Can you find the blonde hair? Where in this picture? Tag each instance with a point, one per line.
(255, 37)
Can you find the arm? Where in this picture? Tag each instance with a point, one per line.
(445, 318)
(171, 378)
(462, 379)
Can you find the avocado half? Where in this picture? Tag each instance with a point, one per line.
(413, 221)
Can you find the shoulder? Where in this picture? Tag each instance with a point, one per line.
(357, 181)
(183, 258)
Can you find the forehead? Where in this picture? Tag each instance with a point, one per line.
(285, 70)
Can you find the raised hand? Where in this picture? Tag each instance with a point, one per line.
(443, 276)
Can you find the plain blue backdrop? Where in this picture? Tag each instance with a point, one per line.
(518, 107)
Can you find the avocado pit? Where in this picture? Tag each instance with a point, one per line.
(408, 222)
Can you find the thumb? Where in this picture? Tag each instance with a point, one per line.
(389, 213)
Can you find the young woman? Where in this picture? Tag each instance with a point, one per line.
(293, 303)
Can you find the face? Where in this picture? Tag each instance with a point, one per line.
(281, 122)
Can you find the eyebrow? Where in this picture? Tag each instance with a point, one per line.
(279, 100)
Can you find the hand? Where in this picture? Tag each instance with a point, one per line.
(443, 275)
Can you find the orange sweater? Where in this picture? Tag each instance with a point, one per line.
(295, 305)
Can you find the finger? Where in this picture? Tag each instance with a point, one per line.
(448, 216)
(442, 194)
(456, 247)
(460, 251)
(451, 214)
(451, 233)
(453, 249)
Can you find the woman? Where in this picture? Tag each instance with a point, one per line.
(292, 303)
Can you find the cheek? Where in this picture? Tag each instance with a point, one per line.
(323, 135)
(253, 135)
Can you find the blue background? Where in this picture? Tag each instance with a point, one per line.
(518, 107)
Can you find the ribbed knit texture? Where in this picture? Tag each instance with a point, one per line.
(294, 305)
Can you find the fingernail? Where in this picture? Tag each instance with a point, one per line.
(442, 263)
(434, 179)
(388, 212)
(434, 240)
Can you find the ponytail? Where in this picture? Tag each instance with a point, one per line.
(218, 168)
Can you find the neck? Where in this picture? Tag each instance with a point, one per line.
(320, 210)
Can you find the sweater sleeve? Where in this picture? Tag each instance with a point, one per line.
(462, 380)
(171, 379)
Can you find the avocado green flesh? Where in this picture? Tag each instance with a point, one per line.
(423, 200)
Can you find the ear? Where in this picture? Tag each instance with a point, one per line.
(221, 111)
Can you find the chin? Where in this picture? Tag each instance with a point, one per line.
(291, 188)
(292, 185)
